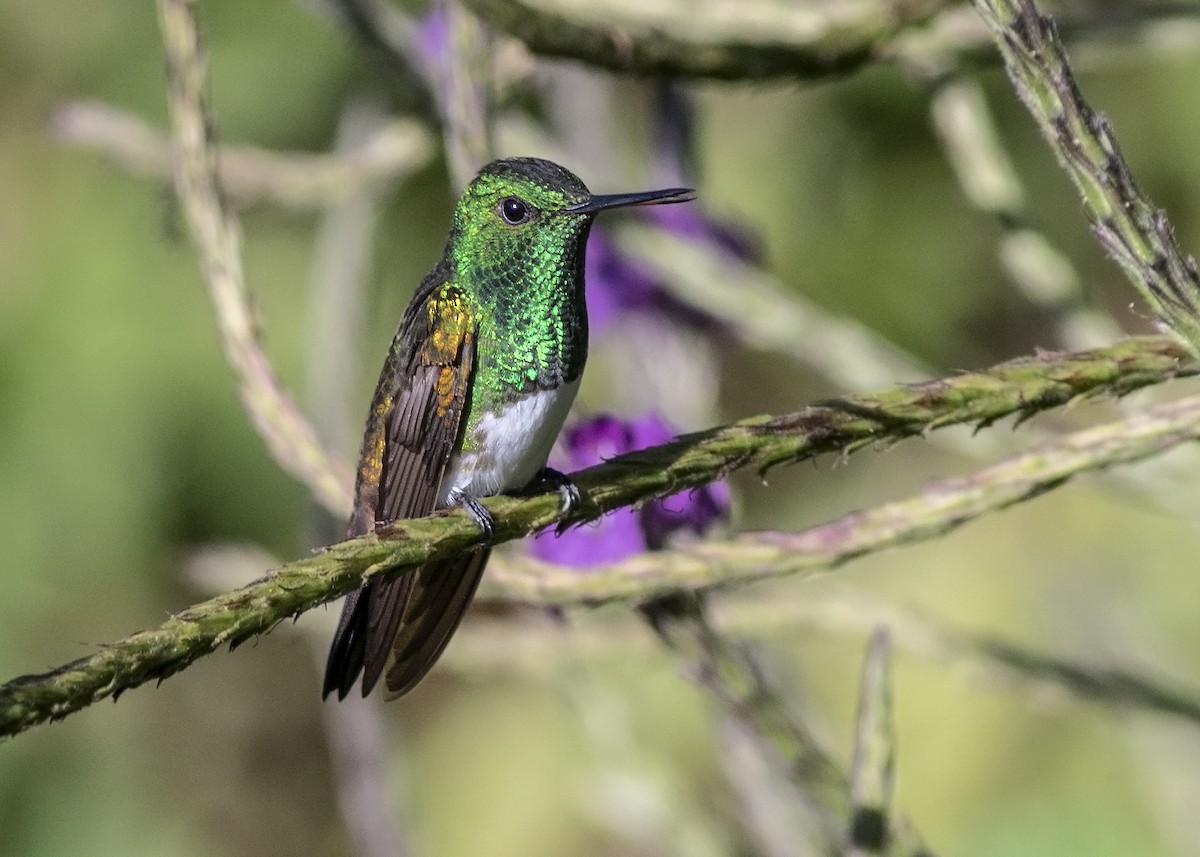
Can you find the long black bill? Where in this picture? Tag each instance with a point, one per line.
(622, 200)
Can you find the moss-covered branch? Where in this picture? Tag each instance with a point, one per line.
(1133, 231)
(1019, 388)
(939, 508)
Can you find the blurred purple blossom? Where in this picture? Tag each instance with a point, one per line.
(627, 531)
(614, 283)
(432, 41)
(617, 283)
(691, 223)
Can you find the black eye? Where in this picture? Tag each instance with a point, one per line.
(514, 210)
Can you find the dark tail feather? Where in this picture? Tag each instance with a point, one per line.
(346, 652)
(441, 593)
(401, 626)
(364, 635)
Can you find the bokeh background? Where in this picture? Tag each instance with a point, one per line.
(124, 451)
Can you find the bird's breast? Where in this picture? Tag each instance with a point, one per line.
(508, 444)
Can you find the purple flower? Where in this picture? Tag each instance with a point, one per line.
(690, 223)
(614, 283)
(617, 284)
(627, 531)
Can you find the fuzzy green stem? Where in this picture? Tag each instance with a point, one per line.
(1019, 388)
(1133, 231)
(938, 509)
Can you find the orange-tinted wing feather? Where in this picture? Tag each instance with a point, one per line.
(416, 419)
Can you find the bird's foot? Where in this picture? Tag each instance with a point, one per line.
(476, 510)
(568, 492)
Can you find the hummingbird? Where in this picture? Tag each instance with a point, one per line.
(474, 391)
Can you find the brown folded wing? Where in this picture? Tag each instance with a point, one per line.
(418, 415)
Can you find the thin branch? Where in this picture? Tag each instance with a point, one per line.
(725, 39)
(464, 94)
(735, 678)
(289, 437)
(1135, 233)
(1042, 273)
(249, 176)
(763, 40)
(763, 313)
(841, 425)
(844, 610)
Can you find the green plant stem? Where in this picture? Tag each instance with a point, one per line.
(938, 509)
(1130, 228)
(872, 772)
(1019, 388)
(735, 678)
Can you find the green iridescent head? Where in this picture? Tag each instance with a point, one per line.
(526, 214)
(517, 192)
(517, 250)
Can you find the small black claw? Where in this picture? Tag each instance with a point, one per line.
(568, 491)
(478, 513)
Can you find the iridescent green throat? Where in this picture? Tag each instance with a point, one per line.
(532, 319)
(527, 288)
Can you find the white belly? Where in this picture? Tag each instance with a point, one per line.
(510, 446)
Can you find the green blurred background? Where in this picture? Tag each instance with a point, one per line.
(123, 449)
